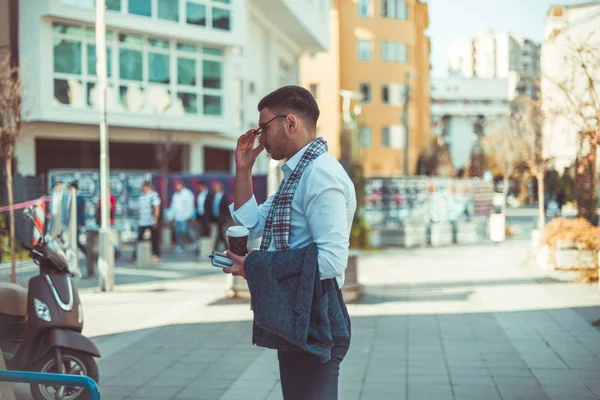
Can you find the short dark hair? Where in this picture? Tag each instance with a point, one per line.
(292, 100)
(75, 185)
(201, 183)
(147, 183)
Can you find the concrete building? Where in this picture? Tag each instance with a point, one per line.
(376, 48)
(189, 71)
(496, 55)
(567, 26)
(462, 108)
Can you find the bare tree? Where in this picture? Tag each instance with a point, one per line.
(574, 98)
(527, 122)
(501, 144)
(10, 129)
(166, 152)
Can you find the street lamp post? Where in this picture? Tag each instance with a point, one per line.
(106, 271)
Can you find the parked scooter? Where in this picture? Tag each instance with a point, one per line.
(40, 328)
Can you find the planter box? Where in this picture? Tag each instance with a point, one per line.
(404, 235)
(544, 258)
(440, 234)
(465, 232)
(375, 238)
(570, 258)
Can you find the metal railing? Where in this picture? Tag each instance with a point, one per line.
(52, 379)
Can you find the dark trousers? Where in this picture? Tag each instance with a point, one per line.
(153, 239)
(304, 377)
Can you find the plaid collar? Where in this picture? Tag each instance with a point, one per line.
(291, 164)
(277, 224)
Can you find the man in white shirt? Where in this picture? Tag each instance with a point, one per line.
(203, 204)
(321, 211)
(182, 206)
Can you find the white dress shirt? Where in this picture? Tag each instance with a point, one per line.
(322, 212)
(201, 202)
(182, 205)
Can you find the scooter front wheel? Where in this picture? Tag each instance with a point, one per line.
(73, 363)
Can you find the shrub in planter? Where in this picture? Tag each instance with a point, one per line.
(578, 234)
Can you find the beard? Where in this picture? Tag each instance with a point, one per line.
(279, 145)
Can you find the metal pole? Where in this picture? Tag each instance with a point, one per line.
(405, 120)
(105, 253)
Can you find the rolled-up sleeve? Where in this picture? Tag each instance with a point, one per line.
(252, 216)
(326, 210)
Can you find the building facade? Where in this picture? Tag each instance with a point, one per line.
(186, 72)
(567, 27)
(497, 55)
(462, 108)
(377, 49)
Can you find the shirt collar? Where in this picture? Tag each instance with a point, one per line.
(293, 162)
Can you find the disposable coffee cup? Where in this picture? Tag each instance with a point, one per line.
(237, 236)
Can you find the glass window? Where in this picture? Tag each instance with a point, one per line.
(385, 94)
(212, 105)
(161, 44)
(221, 18)
(365, 50)
(394, 51)
(222, 1)
(91, 60)
(131, 39)
(140, 7)
(114, 5)
(212, 51)
(211, 74)
(131, 98)
(186, 71)
(168, 10)
(397, 9)
(68, 92)
(195, 14)
(67, 56)
(365, 91)
(130, 64)
(187, 47)
(366, 136)
(314, 90)
(385, 136)
(189, 102)
(65, 29)
(158, 68)
(364, 8)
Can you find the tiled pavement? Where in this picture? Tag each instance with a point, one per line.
(453, 323)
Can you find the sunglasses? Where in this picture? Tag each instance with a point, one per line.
(260, 129)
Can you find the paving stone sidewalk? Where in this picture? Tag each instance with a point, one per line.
(451, 323)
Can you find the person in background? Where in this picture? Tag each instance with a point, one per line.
(149, 211)
(203, 202)
(80, 204)
(112, 213)
(220, 213)
(182, 206)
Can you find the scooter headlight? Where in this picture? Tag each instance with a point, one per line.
(42, 310)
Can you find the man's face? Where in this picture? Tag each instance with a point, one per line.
(145, 189)
(217, 188)
(178, 186)
(201, 188)
(274, 135)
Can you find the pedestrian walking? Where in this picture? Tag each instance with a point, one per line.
(182, 206)
(148, 214)
(313, 208)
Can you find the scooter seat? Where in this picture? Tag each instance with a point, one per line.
(13, 299)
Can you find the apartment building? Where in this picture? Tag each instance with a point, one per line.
(497, 55)
(567, 26)
(377, 49)
(188, 72)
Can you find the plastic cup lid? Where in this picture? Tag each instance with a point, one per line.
(237, 231)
